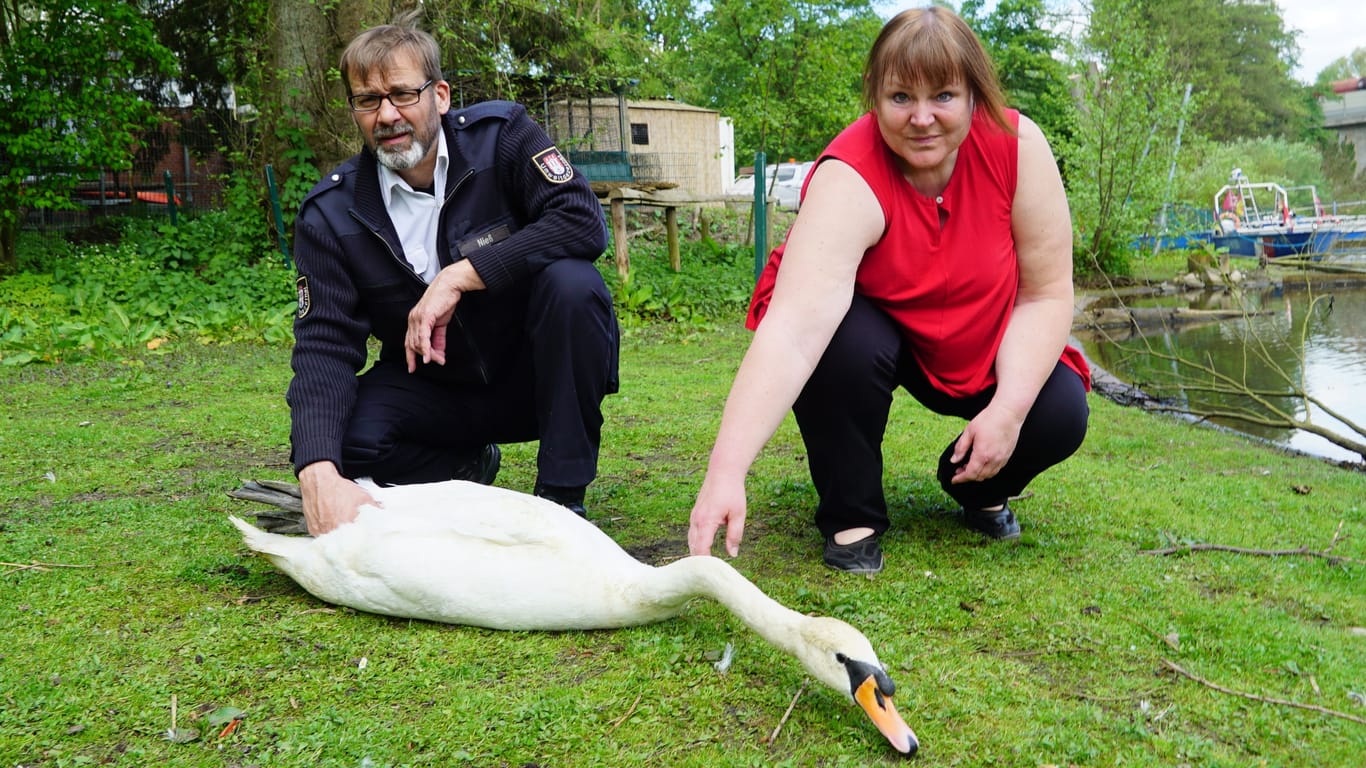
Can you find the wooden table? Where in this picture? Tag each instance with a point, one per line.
(668, 199)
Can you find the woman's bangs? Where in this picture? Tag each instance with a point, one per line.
(925, 60)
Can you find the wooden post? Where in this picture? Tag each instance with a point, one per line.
(619, 235)
(671, 229)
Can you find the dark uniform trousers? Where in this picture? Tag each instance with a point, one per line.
(408, 428)
(842, 414)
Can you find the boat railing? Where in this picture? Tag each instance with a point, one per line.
(1237, 208)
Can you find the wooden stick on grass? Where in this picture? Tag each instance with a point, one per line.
(772, 737)
(630, 711)
(1326, 553)
(1173, 666)
(37, 566)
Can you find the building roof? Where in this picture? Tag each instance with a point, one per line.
(660, 104)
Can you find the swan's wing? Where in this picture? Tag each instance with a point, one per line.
(489, 573)
(470, 554)
(459, 508)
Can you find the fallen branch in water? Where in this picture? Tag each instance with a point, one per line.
(1326, 553)
(1173, 666)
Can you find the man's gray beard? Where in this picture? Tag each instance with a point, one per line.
(401, 160)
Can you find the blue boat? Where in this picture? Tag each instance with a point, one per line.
(1257, 219)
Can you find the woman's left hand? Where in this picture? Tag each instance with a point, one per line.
(987, 443)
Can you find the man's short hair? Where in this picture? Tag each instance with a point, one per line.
(376, 47)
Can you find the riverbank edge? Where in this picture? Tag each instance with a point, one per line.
(1126, 394)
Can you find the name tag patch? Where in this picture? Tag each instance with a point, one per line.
(553, 166)
(484, 239)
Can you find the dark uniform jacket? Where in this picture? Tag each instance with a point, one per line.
(512, 205)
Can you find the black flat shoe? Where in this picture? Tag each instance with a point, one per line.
(1000, 524)
(569, 498)
(862, 556)
(483, 468)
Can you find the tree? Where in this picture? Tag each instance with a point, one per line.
(1020, 38)
(1237, 55)
(304, 120)
(1127, 113)
(788, 73)
(219, 49)
(1349, 67)
(74, 75)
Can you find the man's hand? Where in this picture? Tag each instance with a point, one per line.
(717, 504)
(429, 320)
(329, 499)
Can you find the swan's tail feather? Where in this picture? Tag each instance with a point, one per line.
(272, 544)
(288, 515)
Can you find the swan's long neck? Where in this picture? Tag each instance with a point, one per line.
(676, 583)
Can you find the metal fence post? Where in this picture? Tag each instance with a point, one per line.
(170, 196)
(760, 215)
(279, 217)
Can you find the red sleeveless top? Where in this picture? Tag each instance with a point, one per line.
(950, 288)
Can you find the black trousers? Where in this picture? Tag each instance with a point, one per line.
(411, 429)
(842, 413)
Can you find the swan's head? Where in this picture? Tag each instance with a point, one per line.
(842, 658)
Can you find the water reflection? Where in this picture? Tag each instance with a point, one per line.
(1291, 339)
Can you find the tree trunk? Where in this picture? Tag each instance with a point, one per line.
(308, 38)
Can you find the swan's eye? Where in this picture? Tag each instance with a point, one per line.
(841, 658)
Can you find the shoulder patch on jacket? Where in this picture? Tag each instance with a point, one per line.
(305, 298)
(553, 166)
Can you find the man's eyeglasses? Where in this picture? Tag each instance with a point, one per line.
(406, 97)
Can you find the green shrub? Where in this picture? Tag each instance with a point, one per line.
(201, 281)
(219, 278)
(714, 283)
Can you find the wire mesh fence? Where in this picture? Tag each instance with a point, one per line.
(179, 168)
(176, 168)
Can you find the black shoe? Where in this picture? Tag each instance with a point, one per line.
(1000, 525)
(569, 498)
(482, 469)
(862, 556)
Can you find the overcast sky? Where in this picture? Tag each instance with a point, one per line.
(1329, 29)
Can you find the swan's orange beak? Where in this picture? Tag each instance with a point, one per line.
(877, 702)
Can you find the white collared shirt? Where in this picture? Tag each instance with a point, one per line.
(416, 214)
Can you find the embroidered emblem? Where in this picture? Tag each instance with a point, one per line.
(553, 166)
(305, 300)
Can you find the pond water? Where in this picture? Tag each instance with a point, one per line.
(1290, 339)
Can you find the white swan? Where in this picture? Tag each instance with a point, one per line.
(464, 553)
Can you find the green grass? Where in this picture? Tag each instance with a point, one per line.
(1046, 652)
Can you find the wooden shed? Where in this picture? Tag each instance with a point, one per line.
(649, 142)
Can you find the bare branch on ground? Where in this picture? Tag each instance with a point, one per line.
(1326, 553)
(772, 737)
(36, 566)
(1173, 666)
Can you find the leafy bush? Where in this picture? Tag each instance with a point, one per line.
(714, 283)
(1288, 163)
(218, 278)
(200, 282)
